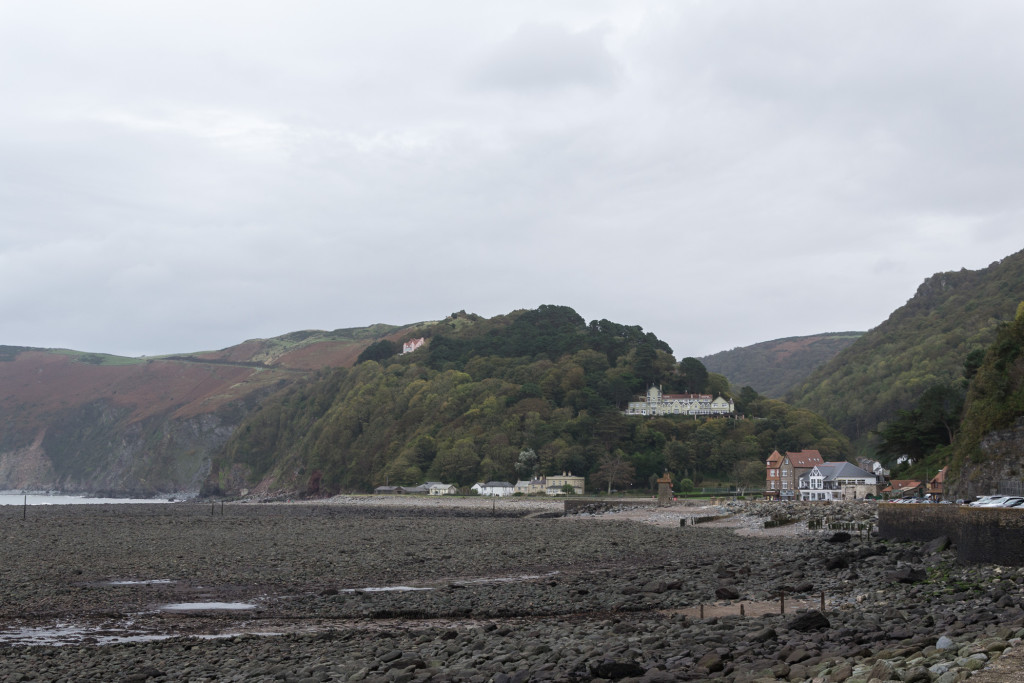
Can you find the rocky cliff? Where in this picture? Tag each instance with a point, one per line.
(94, 423)
(1002, 459)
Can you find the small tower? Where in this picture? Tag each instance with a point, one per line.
(665, 491)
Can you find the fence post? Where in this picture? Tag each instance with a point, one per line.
(782, 602)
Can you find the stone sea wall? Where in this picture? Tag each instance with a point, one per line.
(982, 535)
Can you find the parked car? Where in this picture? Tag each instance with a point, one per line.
(984, 501)
(1001, 501)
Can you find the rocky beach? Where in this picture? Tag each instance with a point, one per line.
(403, 589)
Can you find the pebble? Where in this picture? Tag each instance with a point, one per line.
(578, 600)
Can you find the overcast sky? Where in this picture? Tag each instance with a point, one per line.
(181, 176)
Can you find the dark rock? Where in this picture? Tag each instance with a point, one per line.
(908, 575)
(812, 620)
(613, 670)
(883, 670)
(936, 545)
(917, 674)
(727, 593)
(803, 587)
(838, 562)
(839, 537)
(763, 636)
(712, 661)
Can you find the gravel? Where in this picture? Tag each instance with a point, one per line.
(502, 595)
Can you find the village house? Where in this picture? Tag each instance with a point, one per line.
(657, 403)
(436, 488)
(555, 485)
(837, 481)
(529, 486)
(904, 488)
(773, 485)
(431, 488)
(552, 486)
(792, 467)
(494, 488)
(413, 344)
(937, 485)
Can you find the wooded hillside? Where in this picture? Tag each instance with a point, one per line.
(532, 392)
(776, 367)
(924, 343)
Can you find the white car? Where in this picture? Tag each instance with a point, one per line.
(1002, 502)
(985, 501)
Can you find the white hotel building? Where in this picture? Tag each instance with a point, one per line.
(657, 403)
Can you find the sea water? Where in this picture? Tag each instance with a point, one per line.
(44, 498)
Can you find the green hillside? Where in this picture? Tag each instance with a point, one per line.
(536, 391)
(776, 367)
(924, 343)
(995, 401)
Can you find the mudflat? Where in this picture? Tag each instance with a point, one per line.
(475, 590)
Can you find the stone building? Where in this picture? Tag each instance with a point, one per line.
(657, 403)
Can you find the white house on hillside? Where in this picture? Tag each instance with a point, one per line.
(657, 403)
(413, 344)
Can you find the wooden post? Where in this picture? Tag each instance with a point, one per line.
(213, 509)
(702, 610)
(222, 508)
(742, 611)
(24, 510)
(782, 602)
(822, 601)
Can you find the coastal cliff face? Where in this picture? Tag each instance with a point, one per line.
(1003, 459)
(98, 448)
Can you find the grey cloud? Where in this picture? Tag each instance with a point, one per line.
(549, 57)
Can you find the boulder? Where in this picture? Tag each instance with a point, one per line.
(811, 620)
(838, 562)
(727, 593)
(937, 545)
(614, 670)
(908, 575)
(712, 661)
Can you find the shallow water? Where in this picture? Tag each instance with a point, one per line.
(195, 606)
(42, 498)
(383, 589)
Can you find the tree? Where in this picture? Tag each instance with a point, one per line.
(458, 463)
(919, 431)
(528, 463)
(748, 473)
(644, 363)
(614, 469)
(379, 350)
(746, 399)
(693, 375)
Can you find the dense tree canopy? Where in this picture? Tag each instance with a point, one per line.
(476, 409)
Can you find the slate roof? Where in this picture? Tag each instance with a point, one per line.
(844, 470)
